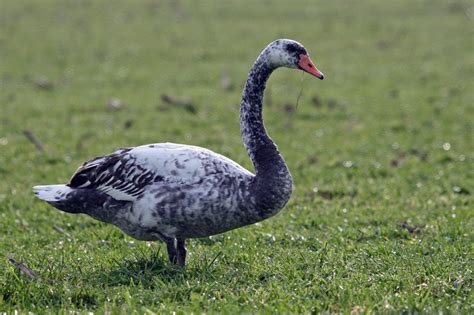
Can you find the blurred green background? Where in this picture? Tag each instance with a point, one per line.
(381, 152)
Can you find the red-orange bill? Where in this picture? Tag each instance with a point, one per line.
(307, 65)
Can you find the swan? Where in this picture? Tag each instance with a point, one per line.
(172, 192)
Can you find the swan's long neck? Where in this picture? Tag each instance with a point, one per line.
(272, 185)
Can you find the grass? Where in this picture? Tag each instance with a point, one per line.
(382, 147)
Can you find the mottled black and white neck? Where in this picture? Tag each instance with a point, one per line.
(171, 192)
(273, 183)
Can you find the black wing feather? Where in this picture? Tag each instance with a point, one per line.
(116, 171)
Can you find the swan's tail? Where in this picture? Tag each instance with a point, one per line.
(76, 200)
(59, 196)
(52, 193)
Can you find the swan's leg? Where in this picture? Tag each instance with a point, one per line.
(181, 247)
(171, 250)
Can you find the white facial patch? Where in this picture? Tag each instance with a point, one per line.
(278, 56)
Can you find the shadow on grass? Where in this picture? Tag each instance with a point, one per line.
(149, 271)
(144, 271)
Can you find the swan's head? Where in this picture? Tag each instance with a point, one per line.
(291, 54)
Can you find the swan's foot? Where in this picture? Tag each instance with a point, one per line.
(171, 250)
(181, 248)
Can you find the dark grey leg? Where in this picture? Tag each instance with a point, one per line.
(171, 250)
(181, 247)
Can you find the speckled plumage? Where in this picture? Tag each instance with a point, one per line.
(169, 191)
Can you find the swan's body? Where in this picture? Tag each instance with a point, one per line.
(171, 192)
(163, 189)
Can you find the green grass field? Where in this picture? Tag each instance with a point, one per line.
(381, 153)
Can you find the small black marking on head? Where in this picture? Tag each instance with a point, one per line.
(295, 49)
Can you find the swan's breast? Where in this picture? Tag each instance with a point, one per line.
(215, 204)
